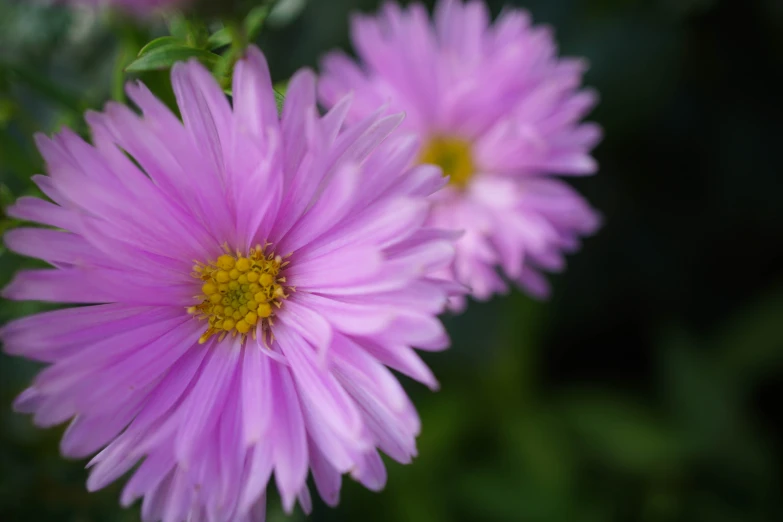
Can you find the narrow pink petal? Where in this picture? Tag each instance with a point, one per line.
(404, 360)
(29, 208)
(171, 391)
(305, 500)
(357, 149)
(334, 406)
(53, 246)
(350, 318)
(254, 100)
(422, 180)
(390, 434)
(142, 369)
(110, 464)
(72, 285)
(340, 452)
(86, 435)
(56, 331)
(327, 479)
(535, 284)
(422, 331)
(352, 359)
(334, 119)
(299, 106)
(257, 397)
(202, 408)
(155, 502)
(289, 439)
(334, 203)
(386, 223)
(231, 451)
(28, 401)
(355, 265)
(309, 323)
(148, 475)
(258, 512)
(370, 471)
(111, 348)
(178, 503)
(205, 111)
(260, 470)
(54, 410)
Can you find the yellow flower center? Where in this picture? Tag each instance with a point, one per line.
(238, 292)
(451, 154)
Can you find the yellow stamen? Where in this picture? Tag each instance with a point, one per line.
(243, 264)
(264, 310)
(453, 155)
(239, 292)
(226, 262)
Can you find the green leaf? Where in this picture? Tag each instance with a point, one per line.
(255, 20)
(6, 197)
(749, 345)
(281, 87)
(164, 57)
(198, 34)
(279, 101)
(47, 87)
(704, 403)
(163, 41)
(178, 26)
(16, 158)
(219, 39)
(127, 51)
(7, 110)
(621, 433)
(537, 443)
(284, 12)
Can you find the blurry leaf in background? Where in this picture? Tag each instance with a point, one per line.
(39, 83)
(621, 433)
(254, 21)
(285, 11)
(218, 39)
(164, 55)
(162, 41)
(751, 344)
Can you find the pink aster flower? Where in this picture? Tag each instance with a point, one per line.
(497, 109)
(250, 281)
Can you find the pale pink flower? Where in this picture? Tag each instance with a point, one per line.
(494, 105)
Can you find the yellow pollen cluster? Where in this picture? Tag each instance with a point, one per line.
(238, 292)
(451, 154)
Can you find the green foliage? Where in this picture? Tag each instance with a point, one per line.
(279, 100)
(621, 433)
(190, 39)
(157, 56)
(218, 39)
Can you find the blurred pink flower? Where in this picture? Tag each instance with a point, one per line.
(500, 112)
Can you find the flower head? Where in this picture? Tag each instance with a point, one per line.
(250, 281)
(497, 109)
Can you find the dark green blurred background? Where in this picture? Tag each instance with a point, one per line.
(648, 389)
